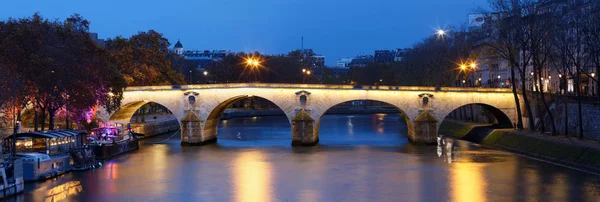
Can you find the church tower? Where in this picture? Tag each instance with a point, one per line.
(178, 48)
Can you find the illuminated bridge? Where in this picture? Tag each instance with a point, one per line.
(198, 108)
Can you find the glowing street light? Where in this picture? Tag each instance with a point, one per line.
(308, 72)
(464, 81)
(559, 75)
(531, 73)
(473, 65)
(205, 73)
(303, 70)
(498, 76)
(463, 67)
(593, 74)
(441, 32)
(253, 62)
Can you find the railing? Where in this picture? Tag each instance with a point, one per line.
(316, 86)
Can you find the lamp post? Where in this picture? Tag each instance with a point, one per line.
(191, 77)
(205, 76)
(499, 80)
(593, 90)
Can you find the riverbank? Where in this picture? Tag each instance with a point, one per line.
(574, 153)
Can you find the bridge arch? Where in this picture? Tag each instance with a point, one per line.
(126, 112)
(406, 117)
(211, 124)
(502, 119)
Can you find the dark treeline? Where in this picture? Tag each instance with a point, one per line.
(51, 66)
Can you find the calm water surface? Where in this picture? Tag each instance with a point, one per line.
(359, 158)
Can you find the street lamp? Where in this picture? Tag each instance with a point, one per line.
(205, 76)
(441, 32)
(593, 74)
(190, 76)
(473, 65)
(303, 70)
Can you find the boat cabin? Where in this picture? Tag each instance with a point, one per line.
(48, 142)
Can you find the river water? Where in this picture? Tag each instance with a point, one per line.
(359, 158)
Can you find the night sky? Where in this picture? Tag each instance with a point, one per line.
(332, 28)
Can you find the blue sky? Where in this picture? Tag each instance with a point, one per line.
(332, 28)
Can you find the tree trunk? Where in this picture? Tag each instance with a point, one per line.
(578, 94)
(43, 110)
(526, 101)
(515, 94)
(547, 107)
(35, 120)
(566, 100)
(51, 113)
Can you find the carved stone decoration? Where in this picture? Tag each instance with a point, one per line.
(303, 99)
(191, 99)
(425, 100)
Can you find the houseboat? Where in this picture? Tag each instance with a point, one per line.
(45, 154)
(112, 140)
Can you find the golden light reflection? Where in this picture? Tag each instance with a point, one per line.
(532, 179)
(468, 183)
(252, 177)
(559, 187)
(61, 192)
(112, 171)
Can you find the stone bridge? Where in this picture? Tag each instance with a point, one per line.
(198, 108)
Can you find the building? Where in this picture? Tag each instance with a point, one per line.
(318, 61)
(400, 54)
(384, 56)
(201, 58)
(343, 63)
(361, 61)
(99, 42)
(178, 48)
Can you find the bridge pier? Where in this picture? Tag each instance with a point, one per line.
(191, 130)
(425, 130)
(303, 130)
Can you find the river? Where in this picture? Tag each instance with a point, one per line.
(359, 158)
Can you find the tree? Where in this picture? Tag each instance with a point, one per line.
(143, 59)
(59, 66)
(509, 41)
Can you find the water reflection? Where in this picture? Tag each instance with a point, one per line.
(252, 180)
(466, 178)
(366, 166)
(61, 192)
(467, 182)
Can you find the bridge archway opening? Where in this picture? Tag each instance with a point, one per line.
(474, 119)
(147, 118)
(363, 122)
(248, 118)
